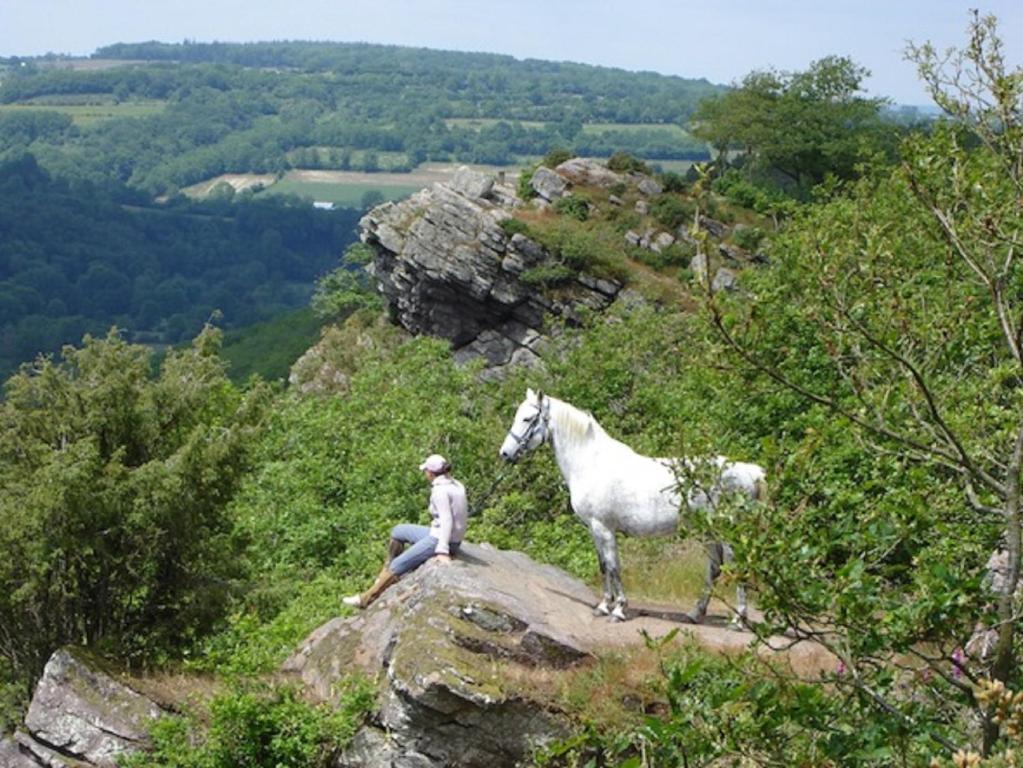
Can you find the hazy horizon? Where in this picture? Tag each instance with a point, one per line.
(720, 43)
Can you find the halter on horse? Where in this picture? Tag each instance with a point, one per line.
(613, 488)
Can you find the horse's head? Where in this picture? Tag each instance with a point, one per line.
(530, 428)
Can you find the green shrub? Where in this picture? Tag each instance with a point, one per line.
(672, 211)
(675, 255)
(556, 157)
(548, 275)
(116, 490)
(748, 238)
(512, 226)
(619, 188)
(623, 162)
(525, 189)
(575, 206)
(259, 728)
(673, 182)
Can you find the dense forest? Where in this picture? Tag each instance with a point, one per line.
(872, 361)
(76, 258)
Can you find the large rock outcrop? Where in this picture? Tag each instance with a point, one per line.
(447, 268)
(80, 715)
(463, 653)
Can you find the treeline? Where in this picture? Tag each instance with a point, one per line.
(77, 258)
(268, 108)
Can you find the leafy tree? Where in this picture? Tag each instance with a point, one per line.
(802, 125)
(896, 310)
(113, 518)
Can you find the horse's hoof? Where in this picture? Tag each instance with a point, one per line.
(693, 618)
(601, 610)
(738, 624)
(618, 615)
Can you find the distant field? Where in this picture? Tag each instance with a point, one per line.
(678, 166)
(482, 122)
(84, 114)
(348, 188)
(239, 181)
(672, 130)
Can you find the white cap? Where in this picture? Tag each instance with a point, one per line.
(434, 463)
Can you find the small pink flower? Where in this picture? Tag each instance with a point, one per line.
(840, 669)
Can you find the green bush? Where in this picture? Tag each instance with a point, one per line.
(623, 162)
(548, 275)
(116, 492)
(672, 211)
(748, 238)
(556, 157)
(512, 226)
(524, 188)
(673, 182)
(259, 728)
(575, 206)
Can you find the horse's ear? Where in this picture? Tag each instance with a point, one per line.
(539, 396)
(530, 394)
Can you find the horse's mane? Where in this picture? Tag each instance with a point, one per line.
(574, 426)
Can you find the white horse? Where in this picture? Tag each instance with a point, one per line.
(613, 488)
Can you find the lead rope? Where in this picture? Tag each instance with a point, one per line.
(475, 509)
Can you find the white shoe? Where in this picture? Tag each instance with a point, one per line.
(353, 600)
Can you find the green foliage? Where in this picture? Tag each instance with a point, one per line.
(748, 238)
(548, 275)
(271, 727)
(76, 259)
(575, 206)
(556, 157)
(266, 108)
(804, 126)
(116, 488)
(269, 349)
(673, 182)
(343, 291)
(672, 211)
(512, 226)
(623, 162)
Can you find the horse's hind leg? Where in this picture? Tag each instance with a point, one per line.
(742, 607)
(715, 556)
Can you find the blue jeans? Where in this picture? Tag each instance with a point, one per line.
(421, 549)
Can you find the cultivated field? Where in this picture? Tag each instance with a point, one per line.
(85, 114)
(343, 188)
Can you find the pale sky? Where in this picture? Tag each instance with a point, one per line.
(720, 40)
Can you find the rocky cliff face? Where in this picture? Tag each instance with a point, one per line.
(446, 268)
(80, 715)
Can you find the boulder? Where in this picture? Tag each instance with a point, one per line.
(81, 714)
(649, 187)
(458, 649)
(548, 184)
(585, 172)
(661, 241)
(713, 227)
(642, 207)
(472, 184)
(724, 280)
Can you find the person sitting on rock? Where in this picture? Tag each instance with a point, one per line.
(449, 513)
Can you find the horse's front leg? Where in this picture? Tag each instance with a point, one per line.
(614, 602)
(603, 608)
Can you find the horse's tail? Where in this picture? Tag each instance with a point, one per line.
(760, 490)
